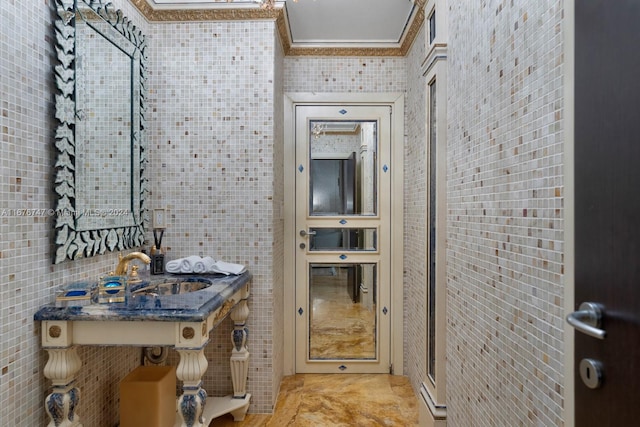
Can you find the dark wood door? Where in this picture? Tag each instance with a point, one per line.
(607, 211)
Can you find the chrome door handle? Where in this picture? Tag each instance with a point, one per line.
(587, 320)
(305, 233)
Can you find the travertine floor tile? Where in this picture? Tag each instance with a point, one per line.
(340, 400)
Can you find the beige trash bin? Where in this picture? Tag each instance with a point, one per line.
(148, 397)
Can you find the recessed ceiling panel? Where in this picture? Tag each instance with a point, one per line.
(361, 22)
(201, 4)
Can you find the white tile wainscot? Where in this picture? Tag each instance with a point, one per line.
(181, 321)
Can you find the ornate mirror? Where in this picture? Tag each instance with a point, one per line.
(100, 137)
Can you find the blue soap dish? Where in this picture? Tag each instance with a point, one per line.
(75, 294)
(111, 289)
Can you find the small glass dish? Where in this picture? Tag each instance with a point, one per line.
(77, 294)
(111, 289)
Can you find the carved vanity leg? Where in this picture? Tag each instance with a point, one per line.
(193, 364)
(240, 356)
(61, 368)
(62, 403)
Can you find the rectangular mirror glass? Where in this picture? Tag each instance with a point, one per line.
(343, 177)
(343, 239)
(342, 311)
(105, 115)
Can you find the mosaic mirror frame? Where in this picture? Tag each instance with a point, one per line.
(77, 235)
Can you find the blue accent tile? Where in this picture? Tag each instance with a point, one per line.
(343, 221)
(300, 168)
(343, 111)
(343, 257)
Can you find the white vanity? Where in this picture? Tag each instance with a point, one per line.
(182, 321)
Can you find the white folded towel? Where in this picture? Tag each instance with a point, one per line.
(227, 268)
(191, 263)
(196, 264)
(173, 266)
(197, 267)
(208, 263)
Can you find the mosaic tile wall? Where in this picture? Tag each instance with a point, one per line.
(329, 143)
(217, 169)
(344, 74)
(415, 208)
(505, 214)
(28, 278)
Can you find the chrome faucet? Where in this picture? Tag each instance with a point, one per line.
(123, 262)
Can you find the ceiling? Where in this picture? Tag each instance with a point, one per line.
(311, 27)
(363, 23)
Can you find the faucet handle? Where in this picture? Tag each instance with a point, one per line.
(133, 277)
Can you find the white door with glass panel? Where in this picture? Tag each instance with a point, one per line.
(343, 183)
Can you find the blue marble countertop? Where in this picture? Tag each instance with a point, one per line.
(193, 306)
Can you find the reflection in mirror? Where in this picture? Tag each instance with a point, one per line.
(342, 313)
(342, 164)
(103, 120)
(100, 136)
(343, 239)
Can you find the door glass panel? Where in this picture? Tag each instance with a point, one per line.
(342, 311)
(343, 239)
(343, 157)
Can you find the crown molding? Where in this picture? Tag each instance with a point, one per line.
(201, 14)
(279, 16)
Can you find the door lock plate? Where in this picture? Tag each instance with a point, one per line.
(591, 373)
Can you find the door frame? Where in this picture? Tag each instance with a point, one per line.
(569, 210)
(396, 102)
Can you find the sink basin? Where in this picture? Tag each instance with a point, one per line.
(173, 287)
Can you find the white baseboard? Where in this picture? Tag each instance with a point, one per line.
(431, 415)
